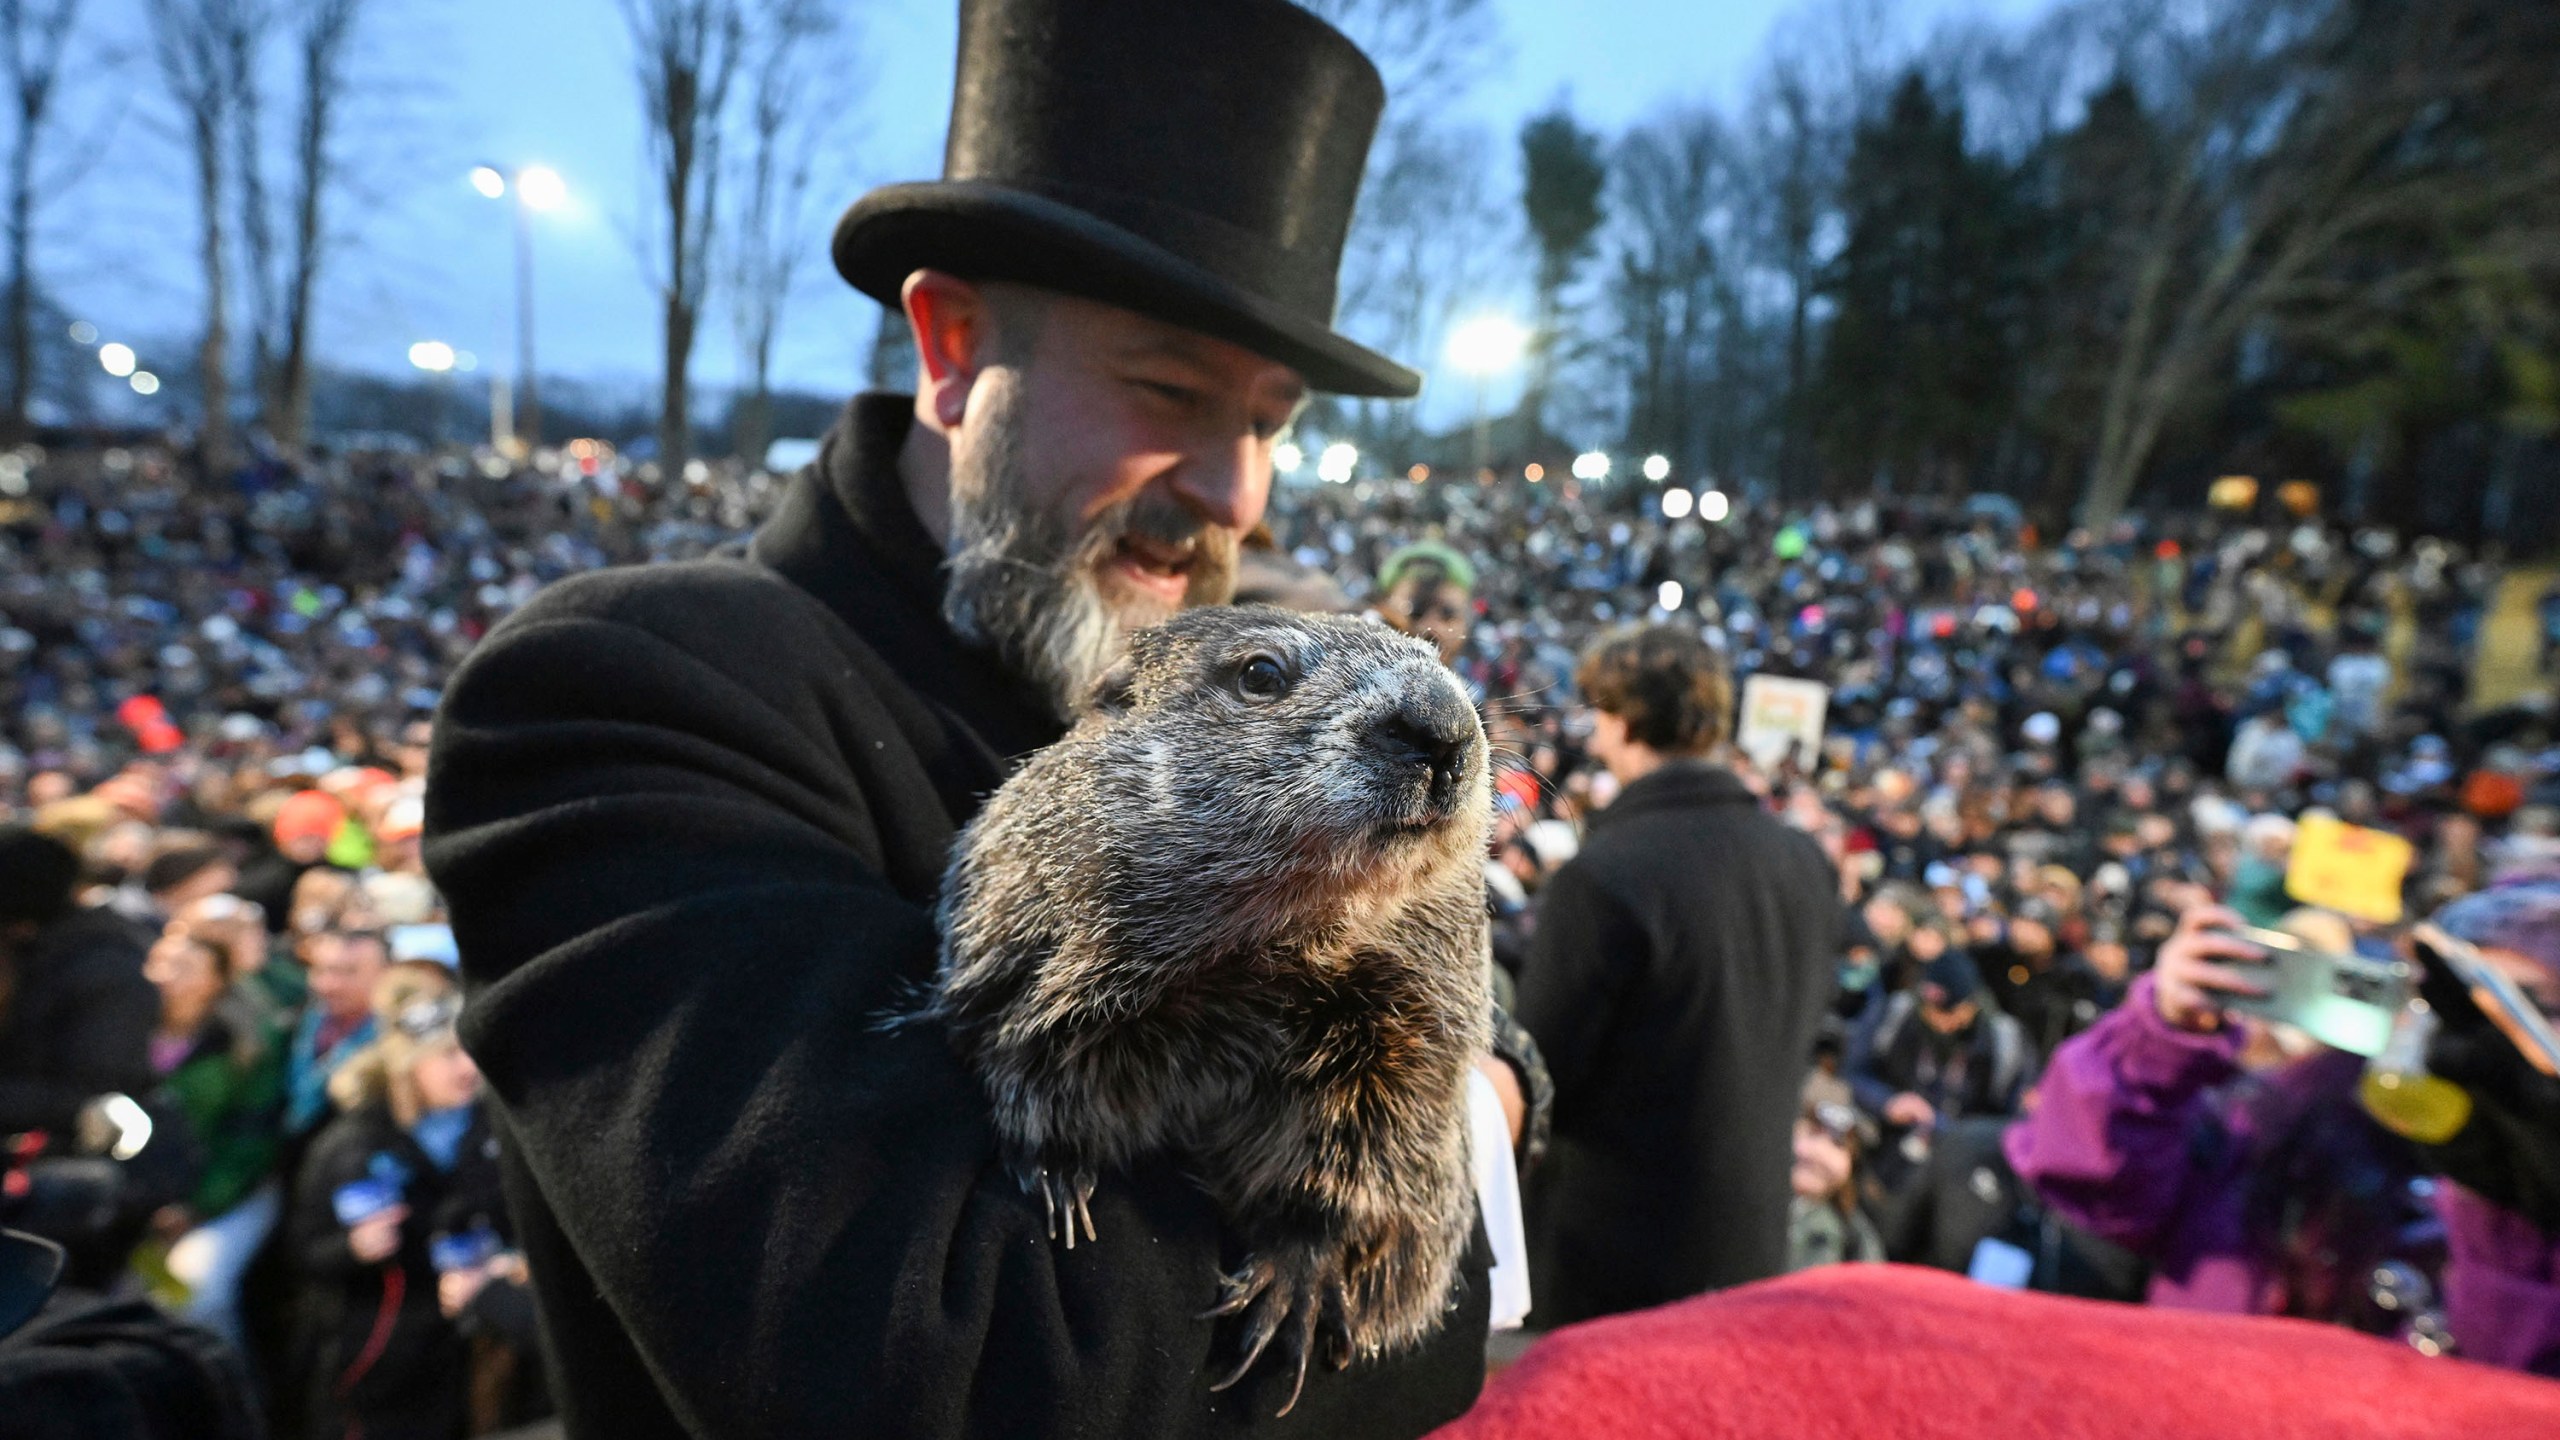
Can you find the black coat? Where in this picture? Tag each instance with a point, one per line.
(382, 1358)
(690, 821)
(1965, 1193)
(1681, 965)
(76, 1023)
(91, 1367)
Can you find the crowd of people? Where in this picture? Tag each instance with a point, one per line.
(213, 737)
(2046, 758)
(2054, 775)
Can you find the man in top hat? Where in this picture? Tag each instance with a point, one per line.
(691, 819)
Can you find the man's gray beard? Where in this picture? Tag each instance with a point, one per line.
(1023, 584)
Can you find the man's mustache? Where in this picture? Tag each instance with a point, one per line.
(1165, 525)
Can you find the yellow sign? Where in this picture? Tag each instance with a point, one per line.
(2348, 868)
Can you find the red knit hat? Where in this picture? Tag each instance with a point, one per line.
(308, 814)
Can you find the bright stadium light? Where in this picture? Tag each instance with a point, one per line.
(1590, 465)
(1670, 595)
(1487, 345)
(1713, 507)
(432, 355)
(117, 358)
(487, 180)
(83, 333)
(1340, 458)
(541, 188)
(1286, 457)
(1657, 468)
(1676, 504)
(145, 383)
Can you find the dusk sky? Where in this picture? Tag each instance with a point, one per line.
(448, 83)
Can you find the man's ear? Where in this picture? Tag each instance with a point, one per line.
(1112, 694)
(950, 320)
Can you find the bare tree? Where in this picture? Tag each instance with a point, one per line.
(1416, 254)
(322, 32)
(689, 53)
(1798, 151)
(1428, 52)
(788, 116)
(1669, 179)
(247, 24)
(191, 41)
(1417, 248)
(2303, 130)
(35, 34)
(1824, 68)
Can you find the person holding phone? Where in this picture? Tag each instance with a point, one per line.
(381, 1357)
(2238, 1160)
(2502, 1205)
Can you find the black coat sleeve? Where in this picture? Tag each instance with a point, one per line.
(1587, 951)
(97, 1022)
(653, 815)
(339, 1155)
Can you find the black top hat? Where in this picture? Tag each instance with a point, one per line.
(1192, 160)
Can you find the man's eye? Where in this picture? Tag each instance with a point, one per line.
(1262, 678)
(1177, 394)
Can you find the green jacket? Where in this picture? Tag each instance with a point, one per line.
(1818, 1233)
(231, 1089)
(281, 987)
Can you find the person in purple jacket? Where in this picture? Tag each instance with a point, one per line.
(2261, 1186)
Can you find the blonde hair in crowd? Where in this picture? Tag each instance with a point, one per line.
(380, 1071)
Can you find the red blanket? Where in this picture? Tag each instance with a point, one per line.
(1861, 1352)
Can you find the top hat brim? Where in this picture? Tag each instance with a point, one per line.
(986, 231)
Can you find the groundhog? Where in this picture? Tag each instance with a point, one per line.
(1238, 914)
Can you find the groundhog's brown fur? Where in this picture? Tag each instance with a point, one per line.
(1238, 913)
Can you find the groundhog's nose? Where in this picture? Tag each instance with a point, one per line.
(1433, 736)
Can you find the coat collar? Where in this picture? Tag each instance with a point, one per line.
(1677, 785)
(846, 534)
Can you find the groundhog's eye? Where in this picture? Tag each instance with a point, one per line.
(1262, 678)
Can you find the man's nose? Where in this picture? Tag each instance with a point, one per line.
(1227, 484)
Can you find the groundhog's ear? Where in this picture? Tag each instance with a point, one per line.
(1112, 693)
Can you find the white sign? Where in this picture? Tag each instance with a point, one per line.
(1777, 713)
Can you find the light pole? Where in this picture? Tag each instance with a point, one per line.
(437, 359)
(536, 187)
(1483, 348)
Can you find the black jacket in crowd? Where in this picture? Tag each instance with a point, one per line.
(76, 1021)
(90, 1367)
(691, 821)
(1982, 1070)
(1965, 1193)
(1681, 964)
(381, 1360)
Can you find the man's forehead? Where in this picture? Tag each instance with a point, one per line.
(1130, 335)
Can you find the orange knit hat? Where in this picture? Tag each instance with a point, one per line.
(309, 814)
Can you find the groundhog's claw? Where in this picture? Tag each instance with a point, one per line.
(1287, 1300)
(1063, 1197)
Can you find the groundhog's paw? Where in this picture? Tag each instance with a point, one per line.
(1065, 1192)
(1297, 1295)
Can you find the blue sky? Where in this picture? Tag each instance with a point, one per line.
(446, 83)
